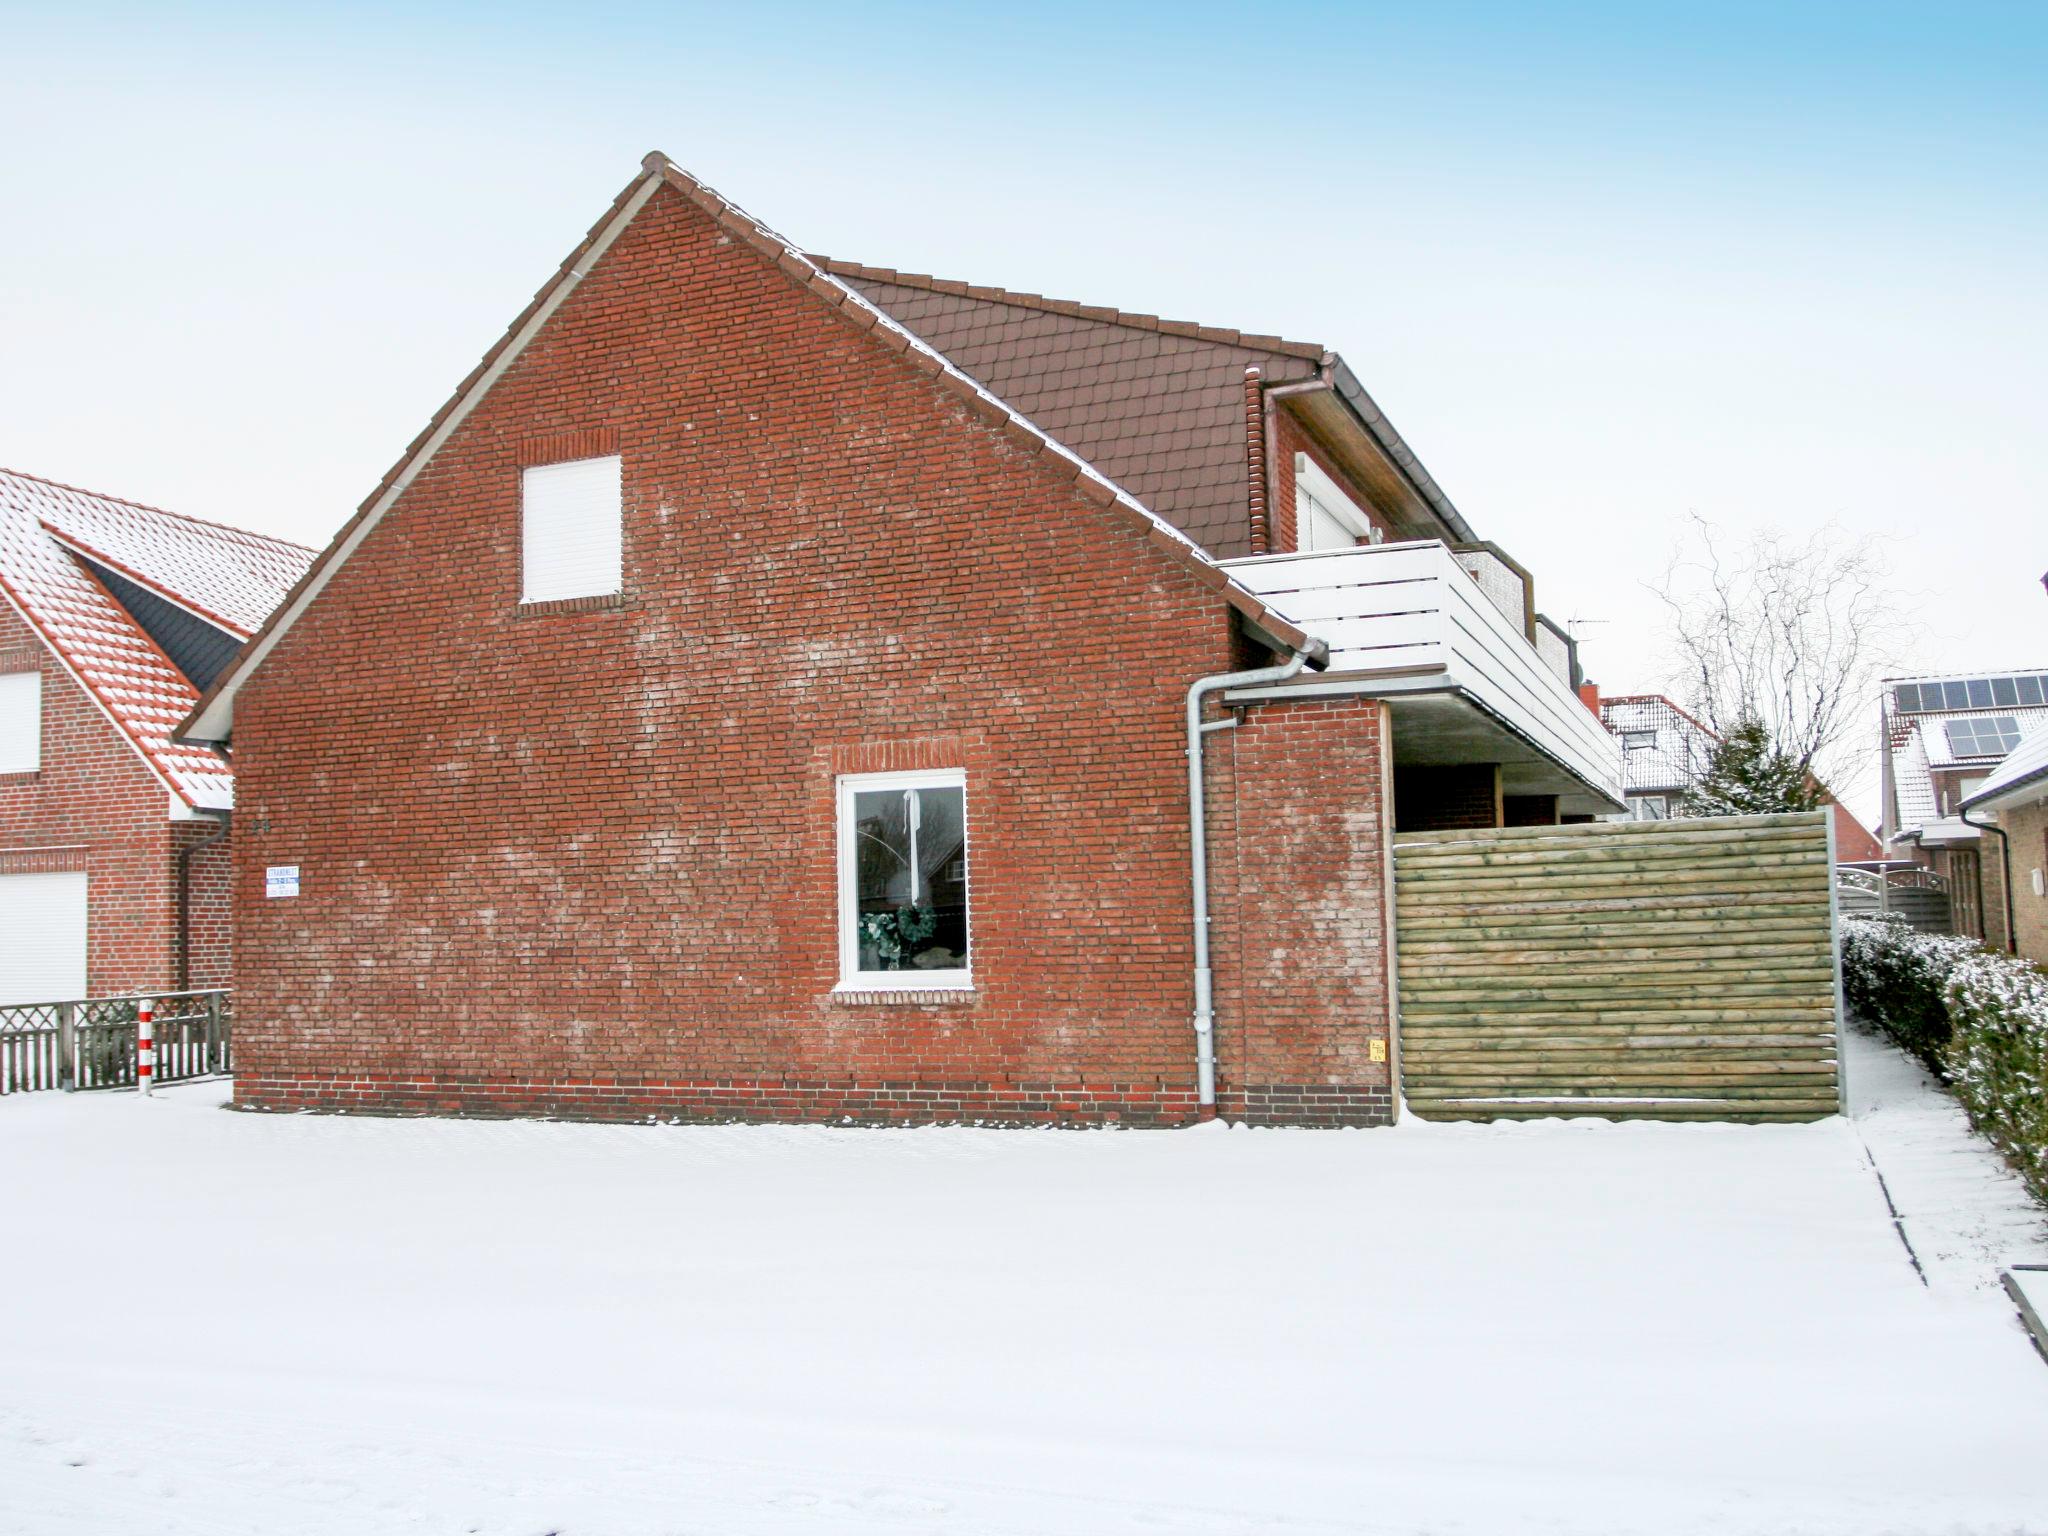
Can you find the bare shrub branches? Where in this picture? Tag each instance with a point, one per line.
(1790, 634)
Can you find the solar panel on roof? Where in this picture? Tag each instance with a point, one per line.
(1983, 736)
(2011, 690)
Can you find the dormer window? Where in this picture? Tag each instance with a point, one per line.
(1638, 741)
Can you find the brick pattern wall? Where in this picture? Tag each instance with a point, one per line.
(209, 902)
(1158, 410)
(92, 793)
(2028, 829)
(1442, 799)
(1302, 960)
(584, 862)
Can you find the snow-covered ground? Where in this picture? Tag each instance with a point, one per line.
(219, 1323)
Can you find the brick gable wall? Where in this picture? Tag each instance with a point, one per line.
(1160, 413)
(583, 862)
(92, 804)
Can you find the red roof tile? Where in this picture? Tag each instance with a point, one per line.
(222, 574)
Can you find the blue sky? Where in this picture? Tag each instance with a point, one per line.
(1604, 265)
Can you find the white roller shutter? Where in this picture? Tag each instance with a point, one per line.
(21, 722)
(570, 529)
(42, 938)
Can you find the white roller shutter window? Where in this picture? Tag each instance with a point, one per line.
(570, 540)
(42, 938)
(21, 722)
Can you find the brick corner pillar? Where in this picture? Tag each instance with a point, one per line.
(1303, 954)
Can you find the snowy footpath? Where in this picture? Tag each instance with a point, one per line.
(220, 1323)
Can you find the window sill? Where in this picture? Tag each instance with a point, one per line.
(569, 605)
(864, 995)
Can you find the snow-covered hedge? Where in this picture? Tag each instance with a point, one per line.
(1894, 976)
(1998, 1056)
(1979, 1019)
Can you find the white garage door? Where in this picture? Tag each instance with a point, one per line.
(42, 937)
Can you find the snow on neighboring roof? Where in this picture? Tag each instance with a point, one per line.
(98, 641)
(226, 575)
(1678, 756)
(2025, 769)
(1921, 745)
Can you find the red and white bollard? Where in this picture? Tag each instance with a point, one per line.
(145, 1044)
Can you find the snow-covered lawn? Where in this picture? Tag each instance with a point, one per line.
(222, 1323)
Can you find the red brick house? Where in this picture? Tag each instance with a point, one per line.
(1944, 735)
(113, 851)
(766, 689)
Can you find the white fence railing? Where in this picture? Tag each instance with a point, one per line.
(1918, 897)
(91, 1042)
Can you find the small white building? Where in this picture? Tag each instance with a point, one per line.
(1663, 752)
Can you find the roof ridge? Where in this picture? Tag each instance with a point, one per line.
(1257, 341)
(1668, 702)
(658, 170)
(143, 506)
(1962, 676)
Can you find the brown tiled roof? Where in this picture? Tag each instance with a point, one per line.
(1156, 405)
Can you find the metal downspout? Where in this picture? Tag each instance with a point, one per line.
(185, 896)
(2004, 872)
(1198, 844)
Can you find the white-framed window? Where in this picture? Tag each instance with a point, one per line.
(1651, 807)
(903, 918)
(569, 529)
(21, 722)
(1638, 741)
(1324, 517)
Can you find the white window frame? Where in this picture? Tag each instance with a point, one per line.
(22, 737)
(1639, 805)
(1638, 744)
(540, 584)
(1315, 490)
(851, 977)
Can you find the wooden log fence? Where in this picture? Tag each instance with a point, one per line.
(1677, 970)
(90, 1043)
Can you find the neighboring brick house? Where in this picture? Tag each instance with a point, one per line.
(1944, 735)
(113, 859)
(1664, 750)
(2013, 798)
(766, 689)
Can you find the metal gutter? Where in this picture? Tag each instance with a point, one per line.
(2004, 872)
(1375, 422)
(1314, 654)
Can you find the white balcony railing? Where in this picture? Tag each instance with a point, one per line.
(1406, 618)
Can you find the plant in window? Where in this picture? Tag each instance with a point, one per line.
(892, 934)
(904, 873)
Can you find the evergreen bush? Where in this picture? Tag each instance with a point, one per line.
(1893, 977)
